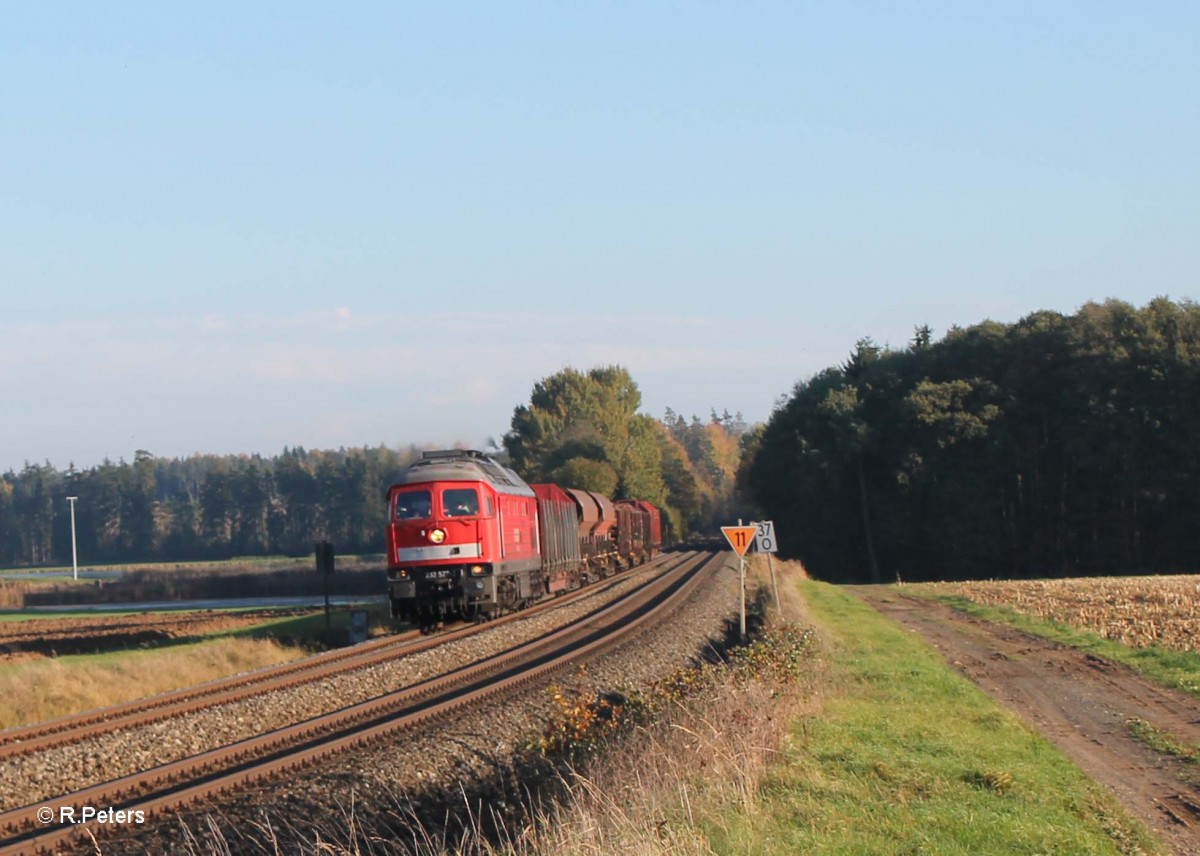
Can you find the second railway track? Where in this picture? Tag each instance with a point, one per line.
(180, 783)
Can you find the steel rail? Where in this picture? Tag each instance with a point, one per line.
(177, 784)
(71, 729)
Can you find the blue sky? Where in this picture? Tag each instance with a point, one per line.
(229, 228)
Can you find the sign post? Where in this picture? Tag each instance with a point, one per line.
(358, 626)
(74, 552)
(764, 542)
(324, 553)
(740, 538)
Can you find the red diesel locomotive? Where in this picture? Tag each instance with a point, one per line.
(466, 536)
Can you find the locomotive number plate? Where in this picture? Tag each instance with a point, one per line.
(438, 574)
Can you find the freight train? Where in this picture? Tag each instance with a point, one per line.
(466, 536)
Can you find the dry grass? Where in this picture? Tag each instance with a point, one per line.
(48, 689)
(674, 784)
(12, 594)
(1135, 611)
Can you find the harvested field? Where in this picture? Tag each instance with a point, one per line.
(1136, 611)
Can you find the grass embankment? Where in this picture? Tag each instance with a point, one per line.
(880, 749)
(909, 757)
(51, 688)
(1177, 669)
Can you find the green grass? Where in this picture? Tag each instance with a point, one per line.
(1163, 742)
(56, 577)
(310, 629)
(907, 757)
(25, 615)
(1176, 669)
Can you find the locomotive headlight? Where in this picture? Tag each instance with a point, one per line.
(437, 536)
(476, 570)
(402, 573)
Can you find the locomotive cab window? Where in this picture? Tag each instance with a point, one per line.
(414, 505)
(461, 502)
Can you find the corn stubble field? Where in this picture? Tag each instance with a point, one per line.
(1136, 611)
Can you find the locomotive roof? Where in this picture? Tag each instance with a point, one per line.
(462, 465)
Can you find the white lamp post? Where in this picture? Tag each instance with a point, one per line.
(74, 554)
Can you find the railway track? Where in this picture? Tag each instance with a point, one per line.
(172, 786)
(24, 740)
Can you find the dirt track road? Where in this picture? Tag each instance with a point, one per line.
(1080, 702)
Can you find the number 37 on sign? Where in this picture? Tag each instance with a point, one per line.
(764, 538)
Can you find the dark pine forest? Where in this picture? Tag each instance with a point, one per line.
(200, 507)
(1055, 446)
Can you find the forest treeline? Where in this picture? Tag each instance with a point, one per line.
(580, 429)
(200, 507)
(1057, 445)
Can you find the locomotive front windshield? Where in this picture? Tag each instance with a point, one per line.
(414, 505)
(461, 502)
